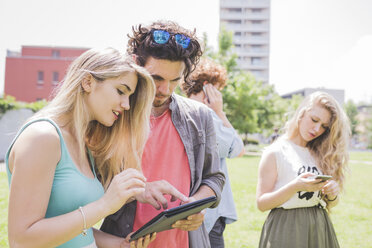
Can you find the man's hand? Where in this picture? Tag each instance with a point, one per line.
(155, 191)
(140, 243)
(215, 99)
(192, 222)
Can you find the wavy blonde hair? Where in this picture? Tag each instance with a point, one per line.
(117, 147)
(331, 148)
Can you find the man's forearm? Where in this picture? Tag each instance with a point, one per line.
(203, 192)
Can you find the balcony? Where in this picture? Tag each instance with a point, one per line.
(246, 65)
(244, 3)
(252, 40)
(243, 16)
(247, 27)
(250, 53)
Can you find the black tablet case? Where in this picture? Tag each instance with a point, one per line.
(168, 217)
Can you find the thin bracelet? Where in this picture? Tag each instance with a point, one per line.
(85, 231)
(330, 199)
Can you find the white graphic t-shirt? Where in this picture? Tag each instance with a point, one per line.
(293, 160)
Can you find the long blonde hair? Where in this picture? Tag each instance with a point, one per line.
(331, 148)
(117, 147)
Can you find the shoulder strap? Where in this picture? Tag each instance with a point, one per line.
(28, 124)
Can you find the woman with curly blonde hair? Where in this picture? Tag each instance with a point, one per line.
(315, 143)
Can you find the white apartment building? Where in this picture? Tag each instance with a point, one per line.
(249, 20)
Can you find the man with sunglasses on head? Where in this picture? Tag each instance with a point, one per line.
(180, 158)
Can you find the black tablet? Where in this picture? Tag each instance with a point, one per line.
(168, 217)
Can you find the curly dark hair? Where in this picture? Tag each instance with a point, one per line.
(142, 45)
(207, 70)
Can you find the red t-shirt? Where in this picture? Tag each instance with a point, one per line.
(164, 158)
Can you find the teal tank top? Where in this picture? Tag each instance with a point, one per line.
(70, 189)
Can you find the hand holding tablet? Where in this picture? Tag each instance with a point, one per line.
(167, 218)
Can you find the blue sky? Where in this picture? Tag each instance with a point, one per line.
(314, 43)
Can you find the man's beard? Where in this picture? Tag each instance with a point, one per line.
(159, 103)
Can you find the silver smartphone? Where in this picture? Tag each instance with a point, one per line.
(323, 177)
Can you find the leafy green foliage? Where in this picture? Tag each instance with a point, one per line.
(369, 132)
(251, 106)
(243, 98)
(36, 106)
(352, 111)
(9, 103)
(225, 56)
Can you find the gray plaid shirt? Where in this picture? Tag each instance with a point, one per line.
(194, 123)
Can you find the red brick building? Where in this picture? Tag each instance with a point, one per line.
(34, 73)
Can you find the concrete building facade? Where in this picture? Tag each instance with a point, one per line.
(33, 73)
(249, 20)
(339, 95)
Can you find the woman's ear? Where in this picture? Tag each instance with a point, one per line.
(87, 83)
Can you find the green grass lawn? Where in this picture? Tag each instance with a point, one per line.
(361, 156)
(352, 218)
(4, 190)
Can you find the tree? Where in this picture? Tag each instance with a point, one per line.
(250, 105)
(240, 102)
(369, 132)
(284, 109)
(224, 56)
(352, 111)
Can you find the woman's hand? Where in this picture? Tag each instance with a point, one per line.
(331, 189)
(306, 182)
(125, 185)
(139, 243)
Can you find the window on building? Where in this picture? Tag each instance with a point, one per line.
(234, 10)
(256, 34)
(55, 77)
(234, 21)
(55, 53)
(40, 77)
(256, 48)
(256, 61)
(238, 33)
(256, 22)
(257, 73)
(256, 10)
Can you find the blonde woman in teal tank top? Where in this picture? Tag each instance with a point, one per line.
(55, 196)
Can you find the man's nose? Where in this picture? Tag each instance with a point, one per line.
(163, 88)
